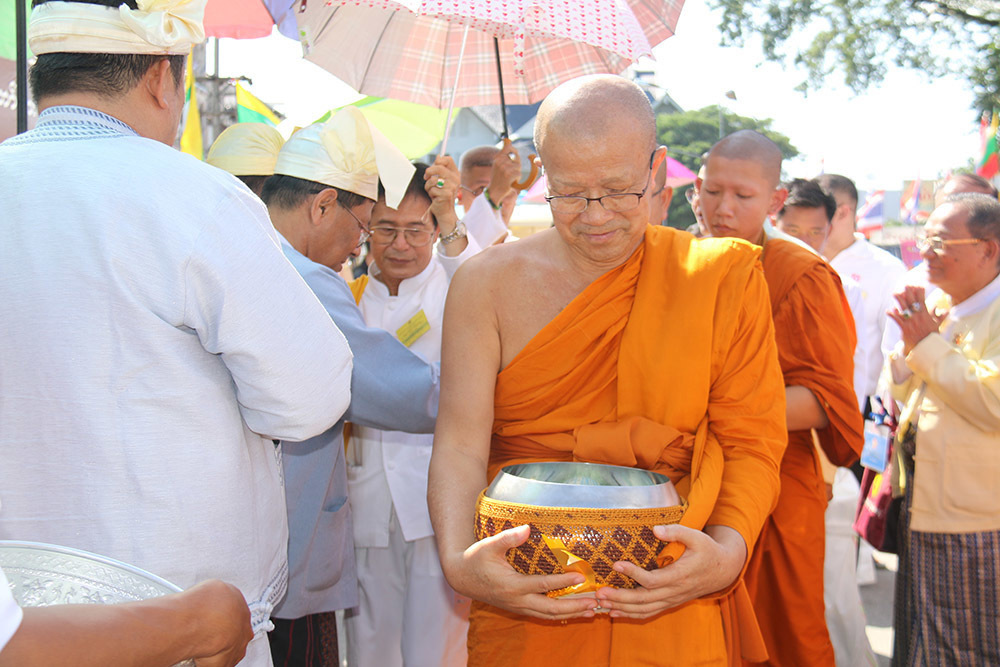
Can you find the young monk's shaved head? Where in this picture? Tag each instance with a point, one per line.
(595, 107)
(752, 146)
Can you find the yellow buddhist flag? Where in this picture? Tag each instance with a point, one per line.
(249, 109)
(191, 120)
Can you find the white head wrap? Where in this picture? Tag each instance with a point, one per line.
(157, 27)
(246, 149)
(347, 152)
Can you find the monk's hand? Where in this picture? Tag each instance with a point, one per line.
(915, 321)
(483, 573)
(712, 561)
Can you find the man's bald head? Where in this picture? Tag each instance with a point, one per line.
(597, 107)
(480, 156)
(748, 145)
(958, 183)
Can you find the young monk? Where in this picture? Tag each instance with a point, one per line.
(609, 340)
(816, 337)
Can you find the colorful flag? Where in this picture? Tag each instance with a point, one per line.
(911, 203)
(870, 215)
(251, 110)
(989, 160)
(191, 119)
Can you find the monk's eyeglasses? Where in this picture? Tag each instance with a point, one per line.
(616, 203)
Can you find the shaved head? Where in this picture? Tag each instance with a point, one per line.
(596, 107)
(480, 156)
(748, 145)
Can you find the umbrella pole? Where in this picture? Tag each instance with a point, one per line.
(21, 16)
(503, 103)
(454, 90)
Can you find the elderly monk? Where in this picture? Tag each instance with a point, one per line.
(248, 151)
(816, 337)
(644, 345)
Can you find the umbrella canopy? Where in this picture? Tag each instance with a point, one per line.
(414, 129)
(382, 48)
(249, 19)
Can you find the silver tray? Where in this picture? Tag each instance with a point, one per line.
(45, 574)
(590, 485)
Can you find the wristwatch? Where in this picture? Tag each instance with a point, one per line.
(460, 232)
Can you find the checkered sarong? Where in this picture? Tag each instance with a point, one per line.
(947, 599)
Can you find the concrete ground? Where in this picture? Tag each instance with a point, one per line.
(877, 600)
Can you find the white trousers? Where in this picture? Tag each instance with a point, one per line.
(408, 615)
(845, 616)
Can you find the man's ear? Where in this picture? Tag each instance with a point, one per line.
(668, 196)
(160, 84)
(321, 205)
(778, 198)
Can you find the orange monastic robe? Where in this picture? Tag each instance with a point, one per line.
(815, 335)
(666, 363)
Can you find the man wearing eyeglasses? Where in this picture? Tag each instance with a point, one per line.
(320, 199)
(609, 340)
(408, 614)
(816, 338)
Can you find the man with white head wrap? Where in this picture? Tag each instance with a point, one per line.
(248, 151)
(320, 199)
(155, 340)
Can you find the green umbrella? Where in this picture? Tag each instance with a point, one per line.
(8, 29)
(414, 129)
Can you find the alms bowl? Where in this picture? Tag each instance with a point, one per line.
(601, 513)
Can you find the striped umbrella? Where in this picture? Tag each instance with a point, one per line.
(443, 52)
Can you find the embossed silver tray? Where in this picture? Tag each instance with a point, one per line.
(45, 574)
(573, 484)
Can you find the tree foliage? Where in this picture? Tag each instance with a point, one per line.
(690, 134)
(860, 39)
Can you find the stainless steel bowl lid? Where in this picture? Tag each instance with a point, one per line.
(587, 485)
(47, 574)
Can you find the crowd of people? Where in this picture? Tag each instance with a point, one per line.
(193, 381)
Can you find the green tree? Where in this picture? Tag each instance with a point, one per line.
(690, 134)
(860, 39)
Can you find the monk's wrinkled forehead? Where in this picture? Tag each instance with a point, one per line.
(750, 146)
(599, 107)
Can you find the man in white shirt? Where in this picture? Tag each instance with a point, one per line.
(486, 193)
(155, 340)
(876, 270)
(408, 614)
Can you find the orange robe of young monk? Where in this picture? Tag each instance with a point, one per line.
(665, 363)
(815, 335)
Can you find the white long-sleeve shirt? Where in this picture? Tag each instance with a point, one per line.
(154, 340)
(877, 272)
(388, 469)
(10, 613)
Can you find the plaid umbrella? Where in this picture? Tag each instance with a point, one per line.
(409, 49)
